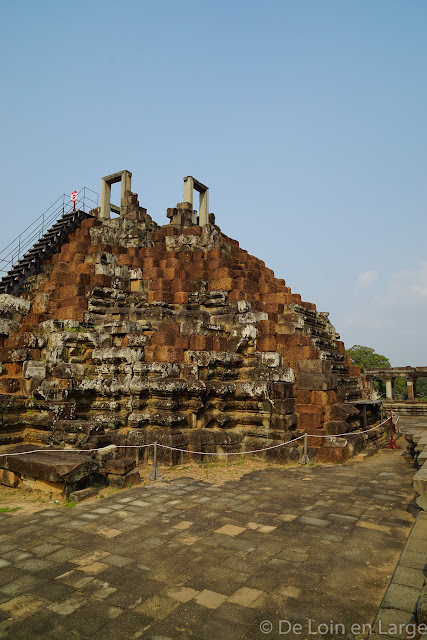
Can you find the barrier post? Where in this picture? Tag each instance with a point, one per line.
(392, 444)
(304, 458)
(154, 474)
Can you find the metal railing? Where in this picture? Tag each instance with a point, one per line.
(87, 199)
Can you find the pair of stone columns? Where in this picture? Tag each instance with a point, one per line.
(125, 177)
(410, 384)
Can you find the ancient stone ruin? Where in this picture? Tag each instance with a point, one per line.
(125, 332)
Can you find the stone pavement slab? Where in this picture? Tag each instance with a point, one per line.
(185, 559)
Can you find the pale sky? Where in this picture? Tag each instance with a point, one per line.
(305, 118)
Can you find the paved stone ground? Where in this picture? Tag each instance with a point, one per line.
(396, 615)
(188, 560)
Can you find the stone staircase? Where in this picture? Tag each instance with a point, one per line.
(50, 242)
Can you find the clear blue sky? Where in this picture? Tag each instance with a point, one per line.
(306, 118)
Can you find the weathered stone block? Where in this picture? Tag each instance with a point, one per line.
(9, 478)
(34, 369)
(83, 494)
(128, 480)
(119, 466)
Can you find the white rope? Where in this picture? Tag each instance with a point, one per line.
(206, 453)
(349, 433)
(117, 446)
(232, 453)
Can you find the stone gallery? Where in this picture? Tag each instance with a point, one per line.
(118, 331)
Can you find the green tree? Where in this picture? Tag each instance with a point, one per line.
(366, 358)
(422, 389)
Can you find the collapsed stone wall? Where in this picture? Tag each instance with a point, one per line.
(135, 333)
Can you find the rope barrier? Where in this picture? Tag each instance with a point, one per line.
(117, 446)
(232, 453)
(206, 453)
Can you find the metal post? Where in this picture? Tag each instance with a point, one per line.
(392, 444)
(154, 474)
(304, 458)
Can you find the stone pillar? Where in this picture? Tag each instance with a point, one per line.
(121, 176)
(104, 213)
(125, 186)
(389, 389)
(188, 189)
(204, 208)
(410, 387)
(190, 184)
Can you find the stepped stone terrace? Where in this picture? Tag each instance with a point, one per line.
(125, 332)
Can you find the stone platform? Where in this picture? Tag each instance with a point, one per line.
(186, 559)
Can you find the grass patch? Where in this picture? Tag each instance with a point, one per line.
(8, 509)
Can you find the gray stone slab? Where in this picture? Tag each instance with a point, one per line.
(401, 597)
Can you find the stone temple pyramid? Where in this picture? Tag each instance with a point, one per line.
(121, 331)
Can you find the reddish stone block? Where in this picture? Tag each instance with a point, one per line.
(78, 247)
(214, 254)
(354, 371)
(201, 343)
(149, 353)
(180, 297)
(340, 348)
(192, 231)
(179, 285)
(71, 291)
(333, 454)
(150, 273)
(266, 343)
(89, 223)
(12, 370)
(100, 248)
(219, 343)
(225, 284)
(303, 397)
(308, 305)
(308, 420)
(77, 301)
(213, 265)
(297, 340)
(101, 280)
(266, 328)
(258, 305)
(30, 321)
(78, 258)
(182, 342)
(235, 295)
(124, 260)
(169, 354)
(158, 339)
(69, 313)
(11, 386)
(86, 268)
(170, 273)
(274, 307)
(118, 251)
